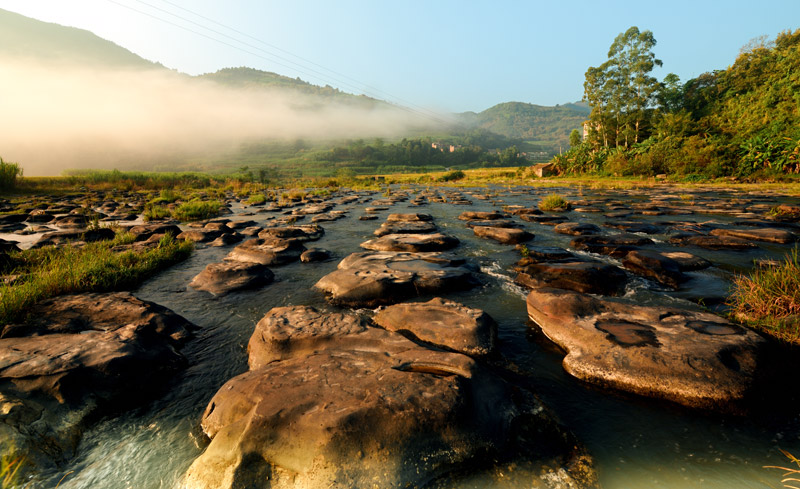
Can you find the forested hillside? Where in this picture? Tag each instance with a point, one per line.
(743, 121)
(545, 127)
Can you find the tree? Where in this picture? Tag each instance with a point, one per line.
(575, 138)
(621, 90)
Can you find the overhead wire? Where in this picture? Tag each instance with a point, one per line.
(297, 67)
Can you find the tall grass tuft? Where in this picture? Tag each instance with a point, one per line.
(9, 173)
(10, 465)
(51, 271)
(553, 202)
(197, 210)
(769, 299)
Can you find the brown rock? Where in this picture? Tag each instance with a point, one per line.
(689, 357)
(503, 235)
(442, 323)
(411, 242)
(769, 235)
(580, 276)
(274, 251)
(228, 276)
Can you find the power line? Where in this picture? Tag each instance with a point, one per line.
(421, 113)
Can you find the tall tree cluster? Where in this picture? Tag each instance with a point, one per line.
(622, 92)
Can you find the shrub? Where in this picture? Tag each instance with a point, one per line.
(769, 299)
(155, 212)
(452, 176)
(196, 210)
(9, 172)
(553, 203)
(257, 199)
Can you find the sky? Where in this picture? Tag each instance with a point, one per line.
(443, 55)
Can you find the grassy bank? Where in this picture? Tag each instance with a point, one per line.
(47, 272)
(769, 299)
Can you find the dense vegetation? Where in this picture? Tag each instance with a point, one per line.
(542, 130)
(743, 121)
(769, 299)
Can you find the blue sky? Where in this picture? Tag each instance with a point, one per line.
(445, 55)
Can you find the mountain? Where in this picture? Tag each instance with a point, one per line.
(250, 78)
(22, 36)
(542, 126)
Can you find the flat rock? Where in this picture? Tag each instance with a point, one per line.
(369, 279)
(271, 251)
(199, 235)
(228, 276)
(656, 266)
(442, 323)
(59, 238)
(617, 245)
(412, 217)
(576, 228)
(405, 227)
(496, 223)
(687, 261)
(412, 242)
(80, 357)
(330, 401)
(713, 242)
(303, 233)
(502, 234)
(581, 276)
(689, 357)
(482, 216)
(769, 235)
(635, 227)
(313, 255)
(145, 231)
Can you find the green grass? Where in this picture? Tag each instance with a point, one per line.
(10, 465)
(553, 202)
(769, 299)
(155, 212)
(197, 210)
(257, 199)
(51, 271)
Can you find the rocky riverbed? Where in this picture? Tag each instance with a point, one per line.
(317, 346)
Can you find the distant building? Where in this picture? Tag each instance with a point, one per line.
(544, 170)
(443, 147)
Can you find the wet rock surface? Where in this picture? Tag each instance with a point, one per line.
(79, 357)
(412, 242)
(228, 276)
(327, 389)
(685, 356)
(373, 278)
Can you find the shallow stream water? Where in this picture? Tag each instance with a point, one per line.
(634, 442)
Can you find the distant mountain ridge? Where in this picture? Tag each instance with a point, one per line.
(540, 125)
(22, 36)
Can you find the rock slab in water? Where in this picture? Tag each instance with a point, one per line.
(412, 242)
(443, 323)
(581, 276)
(228, 276)
(502, 234)
(330, 401)
(689, 357)
(79, 357)
(369, 279)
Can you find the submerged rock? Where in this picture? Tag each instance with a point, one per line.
(686, 356)
(769, 235)
(373, 278)
(330, 401)
(655, 265)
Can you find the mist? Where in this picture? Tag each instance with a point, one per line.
(52, 119)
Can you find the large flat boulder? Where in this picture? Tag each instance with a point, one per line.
(412, 242)
(228, 276)
(656, 266)
(503, 235)
(369, 279)
(442, 323)
(268, 251)
(582, 276)
(687, 356)
(769, 235)
(405, 227)
(330, 401)
(80, 357)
